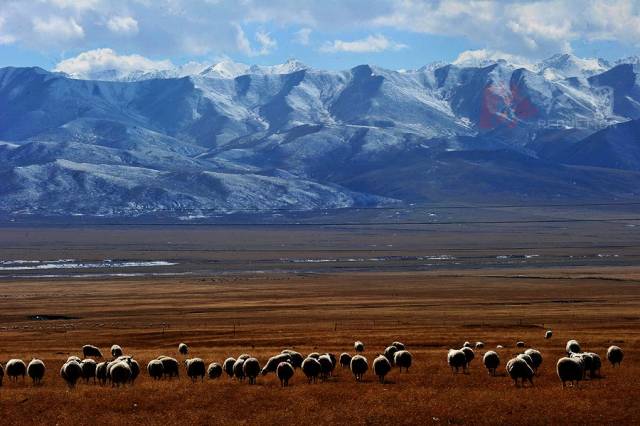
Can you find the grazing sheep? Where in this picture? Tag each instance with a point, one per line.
(479, 345)
(457, 359)
(536, 357)
(499, 347)
(326, 366)
(519, 369)
(214, 370)
(91, 351)
(183, 349)
(389, 353)
(155, 369)
(101, 372)
(381, 366)
(570, 370)
(311, 368)
(120, 373)
(88, 367)
(15, 368)
(520, 344)
(71, 372)
(315, 355)
(227, 366)
(548, 334)
(195, 368)
(135, 370)
(251, 369)
(468, 352)
(244, 357)
(345, 360)
(36, 370)
(466, 344)
(171, 366)
(400, 346)
(596, 364)
(284, 371)
(296, 358)
(403, 359)
(526, 358)
(116, 351)
(274, 361)
(359, 366)
(358, 346)
(238, 369)
(615, 355)
(334, 360)
(573, 347)
(1, 374)
(587, 362)
(491, 361)
(74, 358)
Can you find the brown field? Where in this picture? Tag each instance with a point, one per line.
(261, 314)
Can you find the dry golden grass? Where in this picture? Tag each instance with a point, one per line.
(430, 312)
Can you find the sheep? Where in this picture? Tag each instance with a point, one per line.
(520, 344)
(296, 358)
(381, 366)
(15, 368)
(469, 354)
(389, 352)
(326, 366)
(457, 359)
(120, 373)
(596, 364)
(195, 368)
(155, 369)
(227, 366)
(499, 347)
(91, 351)
(548, 334)
(183, 349)
(536, 357)
(345, 360)
(400, 346)
(491, 361)
(238, 370)
(74, 358)
(274, 361)
(101, 372)
(1, 374)
(214, 370)
(35, 370)
(244, 357)
(171, 366)
(359, 366)
(615, 355)
(251, 369)
(88, 367)
(526, 358)
(403, 359)
(284, 371)
(116, 351)
(71, 372)
(334, 360)
(570, 370)
(519, 369)
(135, 370)
(311, 368)
(358, 346)
(479, 345)
(466, 344)
(587, 362)
(573, 347)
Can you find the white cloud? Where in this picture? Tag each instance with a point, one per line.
(242, 42)
(373, 43)
(123, 25)
(483, 56)
(302, 36)
(97, 60)
(266, 42)
(57, 28)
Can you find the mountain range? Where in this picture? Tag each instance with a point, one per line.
(231, 137)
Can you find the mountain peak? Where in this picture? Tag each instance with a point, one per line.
(566, 65)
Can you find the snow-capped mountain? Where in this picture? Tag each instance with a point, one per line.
(234, 137)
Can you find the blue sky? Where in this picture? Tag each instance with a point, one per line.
(328, 34)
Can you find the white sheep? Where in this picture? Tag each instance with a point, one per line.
(88, 367)
(71, 372)
(345, 360)
(284, 371)
(273, 362)
(116, 351)
(587, 362)
(238, 369)
(526, 358)
(548, 334)
(596, 364)
(466, 344)
(315, 355)
(479, 345)
(171, 366)
(36, 370)
(101, 372)
(227, 366)
(214, 370)
(389, 352)
(135, 370)
(183, 349)
(400, 346)
(570, 370)
(536, 357)
(251, 369)
(499, 347)
(74, 358)
(296, 358)
(520, 344)
(457, 359)
(359, 366)
(155, 369)
(120, 373)
(615, 355)
(573, 347)
(403, 359)
(381, 367)
(15, 368)
(469, 354)
(326, 366)
(491, 361)
(91, 351)
(358, 346)
(195, 368)
(518, 369)
(311, 368)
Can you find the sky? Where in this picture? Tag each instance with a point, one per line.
(92, 35)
